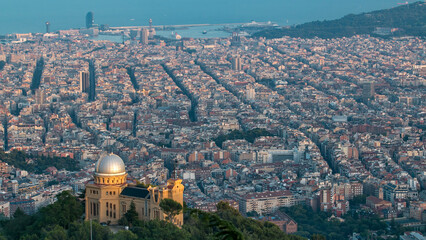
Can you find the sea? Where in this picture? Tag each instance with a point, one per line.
(23, 16)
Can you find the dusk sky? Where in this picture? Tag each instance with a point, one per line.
(27, 15)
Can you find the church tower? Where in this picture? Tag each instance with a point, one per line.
(103, 194)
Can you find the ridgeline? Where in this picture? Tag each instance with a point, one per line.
(405, 20)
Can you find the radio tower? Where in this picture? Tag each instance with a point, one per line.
(47, 27)
(151, 29)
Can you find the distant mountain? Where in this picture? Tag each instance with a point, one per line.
(405, 20)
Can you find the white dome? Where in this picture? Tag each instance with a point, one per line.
(110, 165)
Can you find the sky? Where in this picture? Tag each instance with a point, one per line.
(30, 15)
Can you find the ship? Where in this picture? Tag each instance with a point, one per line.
(204, 32)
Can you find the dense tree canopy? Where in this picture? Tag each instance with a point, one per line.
(320, 224)
(37, 164)
(64, 220)
(250, 135)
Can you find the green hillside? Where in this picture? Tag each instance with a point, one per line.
(405, 20)
(64, 220)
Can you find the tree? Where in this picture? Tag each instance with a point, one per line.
(131, 216)
(124, 235)
(15, 228)
(227, 230)
(63, 212)
(160, 230)
(57, 233)
(171, 208)
(19, 213)
(224, 206)
(317, 237)
(30, 237)
(78, 230)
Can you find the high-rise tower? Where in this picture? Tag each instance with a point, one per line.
(40, 96)
(236, 64)
(236, 39)
(47, 27)
(367, 91)
(151, 29)
(90, 20)
(84, 82)
(144, 36)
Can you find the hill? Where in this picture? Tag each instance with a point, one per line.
(64, 220)
(405, 20)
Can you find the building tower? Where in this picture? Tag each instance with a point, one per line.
(40, 96)
(235, 40)
(108, 196)
(47, 27)
(145, 36)
(84, 82)
(102, 195)
(250, 93)
(236, 64)
(92, 82)
(367, 91)
(151, 29)
(90, 20)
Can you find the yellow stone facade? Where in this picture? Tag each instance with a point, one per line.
(108, 196)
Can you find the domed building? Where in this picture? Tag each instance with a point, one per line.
(108, 196)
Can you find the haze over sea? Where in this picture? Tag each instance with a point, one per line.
(21, 16)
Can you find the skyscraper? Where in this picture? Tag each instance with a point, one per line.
(84, 82)
(236, 64)
(40, 97)
(144, 36)
(236, 39)
(89, 20)
(367, 91)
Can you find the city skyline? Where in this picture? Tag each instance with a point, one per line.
(32, 17)
(246, 131)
